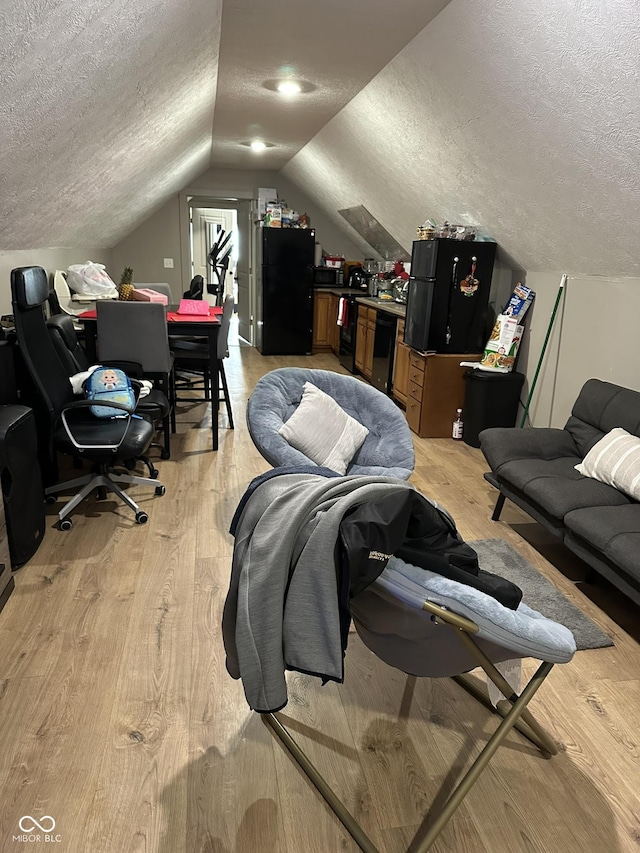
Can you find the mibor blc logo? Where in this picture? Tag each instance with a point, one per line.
(37, 829)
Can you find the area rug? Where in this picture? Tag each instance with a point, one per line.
(497, 556)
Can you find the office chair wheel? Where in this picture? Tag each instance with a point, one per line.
(50, 499)
(141, 517)
(165, 454)
(66, 524)
(160, 490)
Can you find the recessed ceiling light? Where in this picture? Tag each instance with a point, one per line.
(289, 87)
(258, 145)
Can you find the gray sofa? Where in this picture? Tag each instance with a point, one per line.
(534, 468)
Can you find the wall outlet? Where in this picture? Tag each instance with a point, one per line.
(168, 263)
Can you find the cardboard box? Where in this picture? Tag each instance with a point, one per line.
(146, 294)
(501, 348)
(519, 302)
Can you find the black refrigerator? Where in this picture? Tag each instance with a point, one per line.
(285, 291)
(448, 296)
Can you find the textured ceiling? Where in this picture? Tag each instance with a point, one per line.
(336, 47)
(522, 116)
(107, 106)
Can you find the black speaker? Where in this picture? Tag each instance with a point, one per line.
(22, 490)
(8, 390)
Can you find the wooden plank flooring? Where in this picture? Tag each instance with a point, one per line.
(119, 719)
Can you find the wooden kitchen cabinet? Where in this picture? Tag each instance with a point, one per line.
(322, 329)
(435, 390)
(361, 339)
(365, 336)
(401, 366)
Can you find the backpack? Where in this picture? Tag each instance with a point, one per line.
(110, 384)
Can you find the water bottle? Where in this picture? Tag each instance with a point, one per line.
(456, 432)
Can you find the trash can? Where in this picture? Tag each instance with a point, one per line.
(491, 400)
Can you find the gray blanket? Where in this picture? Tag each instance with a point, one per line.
(282, 610)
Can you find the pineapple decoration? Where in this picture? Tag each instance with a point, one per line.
(125, 288)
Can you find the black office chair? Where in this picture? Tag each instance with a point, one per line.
(193, 356)
(155, 406)
(72, 428)
(196, 288)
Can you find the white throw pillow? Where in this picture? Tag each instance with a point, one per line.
(323, 431)
(615, 460)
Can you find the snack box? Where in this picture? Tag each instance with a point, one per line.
(519, 301)
(501, 348)
(146, 294)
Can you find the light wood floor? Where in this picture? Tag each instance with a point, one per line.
(118, 718)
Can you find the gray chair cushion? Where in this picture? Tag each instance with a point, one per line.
(614, 531)
(389, 618)
(387, 450)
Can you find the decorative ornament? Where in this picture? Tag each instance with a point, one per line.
(470, 283)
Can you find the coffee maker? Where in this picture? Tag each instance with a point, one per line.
(359, 279)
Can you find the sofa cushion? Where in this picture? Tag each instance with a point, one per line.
(557, 487)
(599, 408)
(614, 531)
(507, 444)
(615, 460)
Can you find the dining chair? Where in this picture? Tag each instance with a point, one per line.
(137, 332)
(193, 356)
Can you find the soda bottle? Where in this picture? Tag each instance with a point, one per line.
(456, 432)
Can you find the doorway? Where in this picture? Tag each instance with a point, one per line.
(208, 218)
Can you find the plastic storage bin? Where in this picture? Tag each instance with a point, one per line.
(491, 400)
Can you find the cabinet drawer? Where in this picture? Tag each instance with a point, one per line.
(416, 361)
(415, 391)
(416, 376)
(413, 414)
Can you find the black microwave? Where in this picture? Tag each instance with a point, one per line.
(328, 277)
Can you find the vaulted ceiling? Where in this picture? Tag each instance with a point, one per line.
(109, 107)
(521, 116)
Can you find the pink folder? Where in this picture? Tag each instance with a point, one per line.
(193, 306)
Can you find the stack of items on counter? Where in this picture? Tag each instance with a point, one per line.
(501, 349)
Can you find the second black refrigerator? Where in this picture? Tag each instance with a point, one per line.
(285, 291)
(448, 296)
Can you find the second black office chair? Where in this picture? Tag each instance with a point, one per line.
(155, 406)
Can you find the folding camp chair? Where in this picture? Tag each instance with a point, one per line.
(427, 625)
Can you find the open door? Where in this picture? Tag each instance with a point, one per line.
(243, 271)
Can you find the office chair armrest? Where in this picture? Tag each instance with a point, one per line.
(87, 404)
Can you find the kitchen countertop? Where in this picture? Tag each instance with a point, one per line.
(388, 305)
